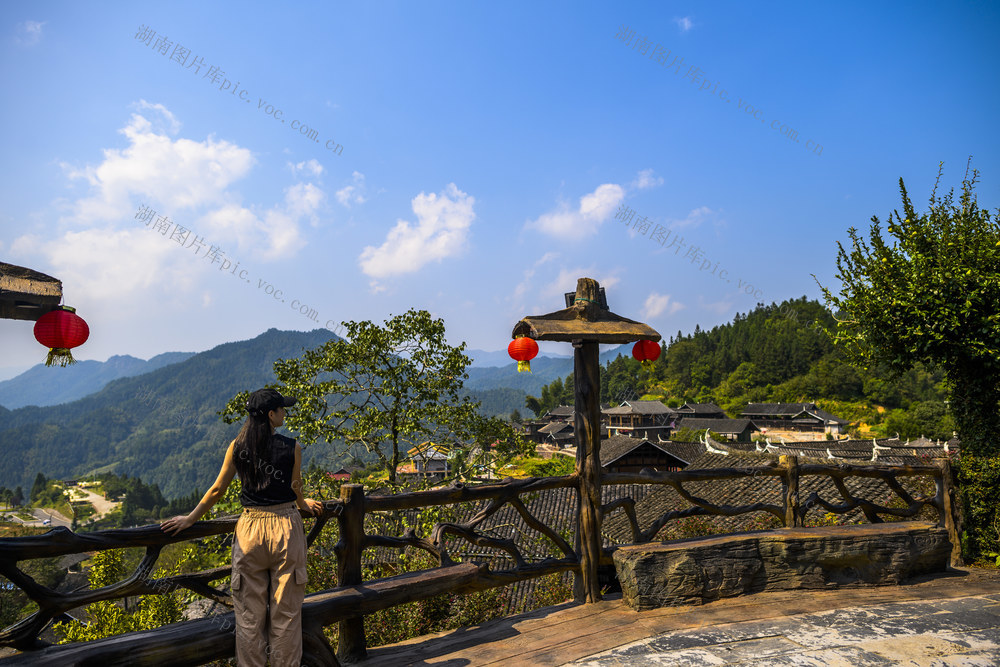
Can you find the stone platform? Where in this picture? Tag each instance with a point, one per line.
(709, 568)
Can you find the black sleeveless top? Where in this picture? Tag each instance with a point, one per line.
(278, 473)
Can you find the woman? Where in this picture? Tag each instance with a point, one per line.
(269, 548)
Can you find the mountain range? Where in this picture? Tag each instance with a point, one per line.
(158, 419)
(44, 385)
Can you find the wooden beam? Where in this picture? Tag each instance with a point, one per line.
(213, 638)
(26, 294)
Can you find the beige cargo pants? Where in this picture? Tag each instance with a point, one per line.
(269, 570)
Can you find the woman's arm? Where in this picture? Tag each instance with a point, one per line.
(176, 524)
(306, 504)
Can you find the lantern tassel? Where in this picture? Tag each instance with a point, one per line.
(59, 355)
(523, 366)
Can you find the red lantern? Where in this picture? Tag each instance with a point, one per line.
(646, 351)
(59, 330)
(523, 350)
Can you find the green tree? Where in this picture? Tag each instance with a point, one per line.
(387, 388)
(107, 617)
(534, 405)
(930, 296)
(38, 486)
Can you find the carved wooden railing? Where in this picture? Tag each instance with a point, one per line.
(195, 642)
(792, 510)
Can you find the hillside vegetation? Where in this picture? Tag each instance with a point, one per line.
(163, 426)
(779, 353)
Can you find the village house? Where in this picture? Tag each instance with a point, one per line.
(701, 411)
(428, 461)
(733, 430)
(802, 417)
(621, 453)
(648, 419)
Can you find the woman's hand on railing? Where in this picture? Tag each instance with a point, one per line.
(314, 507)
(175, 524)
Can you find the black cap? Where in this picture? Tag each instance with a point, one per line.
(263, 401)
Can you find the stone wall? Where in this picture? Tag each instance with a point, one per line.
(708, 568)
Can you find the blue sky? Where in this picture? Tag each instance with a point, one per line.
(471, 159)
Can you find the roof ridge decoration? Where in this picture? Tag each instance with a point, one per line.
(713, 450)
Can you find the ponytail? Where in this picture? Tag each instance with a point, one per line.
(251, 452)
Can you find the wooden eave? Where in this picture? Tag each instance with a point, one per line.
(26, 294)
(584, 320)
(571, 324)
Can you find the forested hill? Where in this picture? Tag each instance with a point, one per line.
(775, 353)
(161, 426)
(51, 385)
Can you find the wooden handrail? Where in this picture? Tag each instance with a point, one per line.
(346, 604)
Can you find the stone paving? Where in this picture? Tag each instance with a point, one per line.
(944, 619)
(961, 631)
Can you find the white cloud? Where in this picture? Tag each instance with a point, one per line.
(155, 170)
(441, 230)
(657, 304)
(304, 198)
(106, 255)
(594, 209)
(175, 125)
(646, 179)
(529, 273)
(272, 234)
(684, 23)
(695, 218)
(118, 264)
(311, 166)
(354, 193)
(29, 32)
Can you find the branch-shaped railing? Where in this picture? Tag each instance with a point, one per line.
(212, 638)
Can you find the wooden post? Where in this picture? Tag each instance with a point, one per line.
(587, 425)
(586, 322)
(791, 484)
(351, 646)
(946, 498)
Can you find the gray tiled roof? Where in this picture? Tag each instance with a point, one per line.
(618, 446)
(700, 409)
(718, 425)
(640, 408)
(765, 410)
(556, 427)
